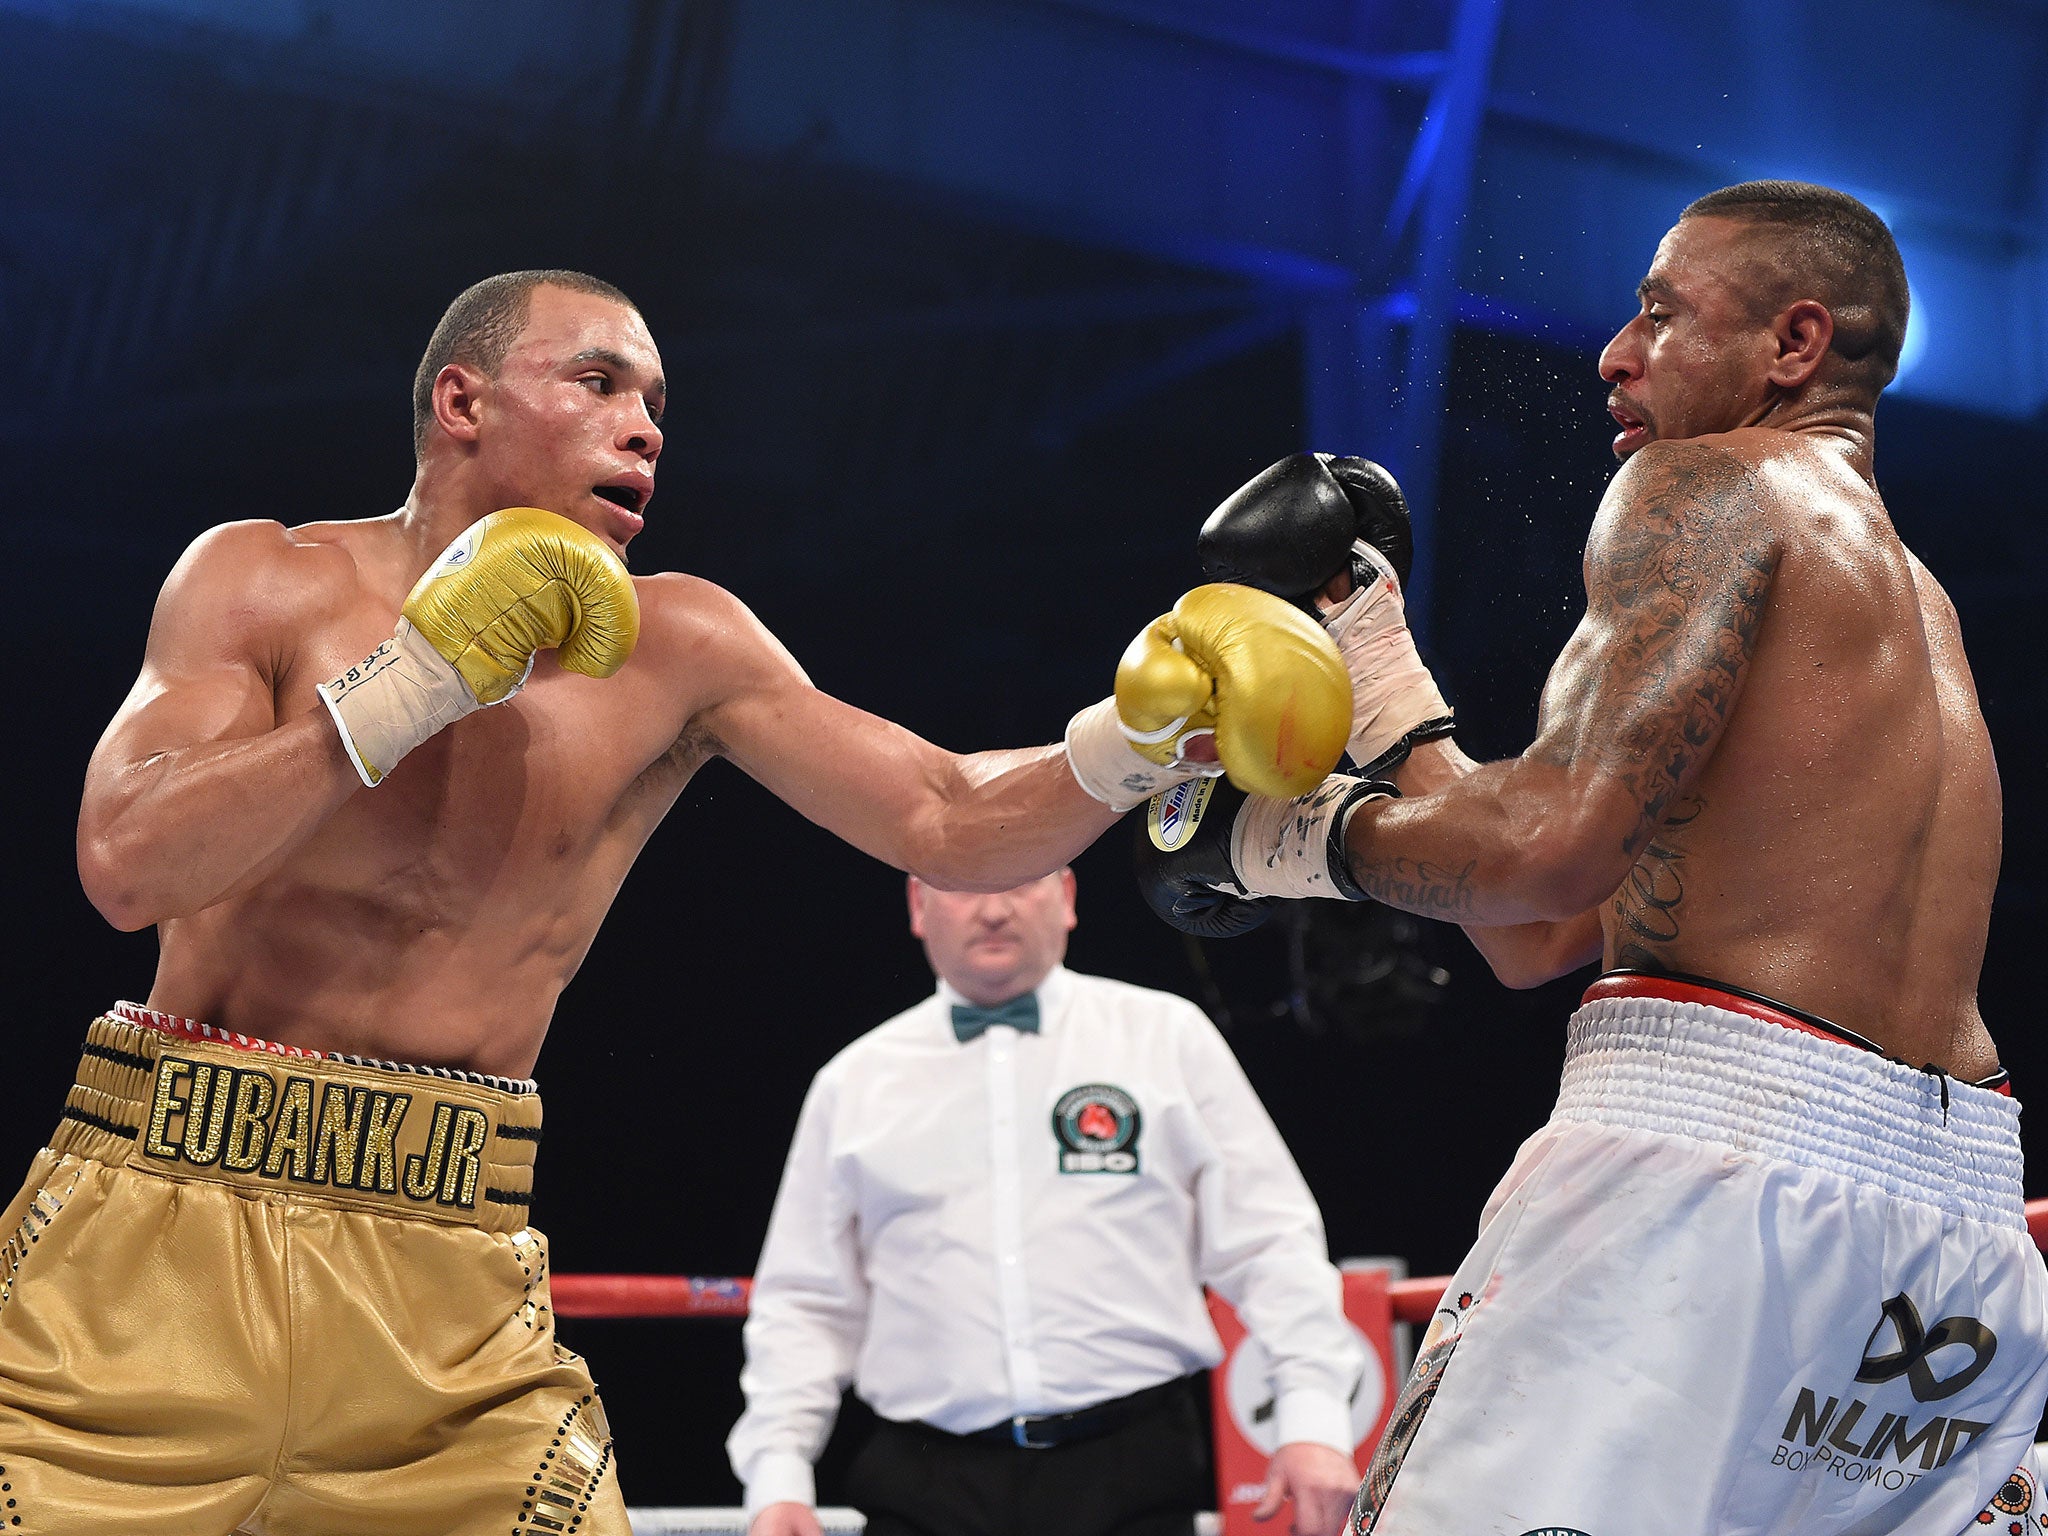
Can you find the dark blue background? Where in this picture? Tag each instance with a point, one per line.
(952, 443)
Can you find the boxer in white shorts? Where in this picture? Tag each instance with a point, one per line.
(1701, 1376)
(1751, 1279)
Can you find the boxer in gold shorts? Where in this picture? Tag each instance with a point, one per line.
(299, 1278)
(376, 787)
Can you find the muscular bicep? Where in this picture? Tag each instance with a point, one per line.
(207, 668)
(1679, 570)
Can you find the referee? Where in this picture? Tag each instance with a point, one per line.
(997, 1219)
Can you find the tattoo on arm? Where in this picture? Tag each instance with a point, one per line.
(1677, 576)
(1679, 569)
(1647, 906)
(1429, 890)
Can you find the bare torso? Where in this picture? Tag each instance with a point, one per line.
(438, 917)
(1839, 849)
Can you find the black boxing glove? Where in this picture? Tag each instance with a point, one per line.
(1182, 854)
(1208, 855)
(1289, 530)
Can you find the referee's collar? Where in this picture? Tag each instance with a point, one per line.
(1052, 995)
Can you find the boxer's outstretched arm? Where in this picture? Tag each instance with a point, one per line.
(1679, 568)
(986, 821)
(197, 789)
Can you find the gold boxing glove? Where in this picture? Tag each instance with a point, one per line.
(1231, 662)
(513, 583)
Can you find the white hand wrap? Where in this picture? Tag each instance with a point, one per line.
(1108, 767)
(1394, 701)
(394, 699)
(1284, 847)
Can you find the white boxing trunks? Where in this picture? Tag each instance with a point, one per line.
(1746, 1280)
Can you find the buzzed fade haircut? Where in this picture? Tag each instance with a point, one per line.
(480, 327)
(1834, 249)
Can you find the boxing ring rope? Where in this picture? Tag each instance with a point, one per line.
(617, 1296)
(1415, 1301)
(726, 1295)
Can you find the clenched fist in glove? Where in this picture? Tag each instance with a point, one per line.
(1291, 530)
(1208, 856)
(513, 583)
(1231, 668)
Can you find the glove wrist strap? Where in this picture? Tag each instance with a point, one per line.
(1110, 768)
(394, 699)
(1295, 848)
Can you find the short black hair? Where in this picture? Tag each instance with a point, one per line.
(480, 327)
(1836, 250)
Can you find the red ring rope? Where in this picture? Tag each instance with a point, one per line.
(1415, 1301)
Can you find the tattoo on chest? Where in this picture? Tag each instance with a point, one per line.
(1647, 907)
(1676, 583)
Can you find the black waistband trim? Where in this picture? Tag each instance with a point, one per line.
(1812, 1020)
(119, 1058)
(1997, 1081)
(102, 1123)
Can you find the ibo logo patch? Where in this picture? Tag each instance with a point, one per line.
(1096, 1126)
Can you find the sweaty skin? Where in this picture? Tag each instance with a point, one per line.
(436, 918)
(1760, 757)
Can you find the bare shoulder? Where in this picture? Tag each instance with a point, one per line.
(241, 578)
(689, 621)
(1682, 513)
(1934, 599)
(1687, 483)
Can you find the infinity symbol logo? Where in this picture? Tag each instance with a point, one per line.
(1916, 1343)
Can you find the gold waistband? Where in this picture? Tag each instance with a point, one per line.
(406, 1141)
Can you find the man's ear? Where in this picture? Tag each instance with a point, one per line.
(458, 400)
(1803, 333)
(914, 892)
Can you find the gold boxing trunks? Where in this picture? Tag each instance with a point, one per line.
(253, 1289)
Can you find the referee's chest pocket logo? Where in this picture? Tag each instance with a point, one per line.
(1096, 1126)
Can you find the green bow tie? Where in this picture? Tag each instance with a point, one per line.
(1019, 1013)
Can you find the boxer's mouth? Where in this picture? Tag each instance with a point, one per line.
(1635, 431)
(631, 497)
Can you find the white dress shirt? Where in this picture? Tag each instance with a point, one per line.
(1023, 1224)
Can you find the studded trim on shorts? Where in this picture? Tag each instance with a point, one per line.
(43, 1209)
(192, 1029)
(558, 1495)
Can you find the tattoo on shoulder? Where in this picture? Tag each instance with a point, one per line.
(1677, 576)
